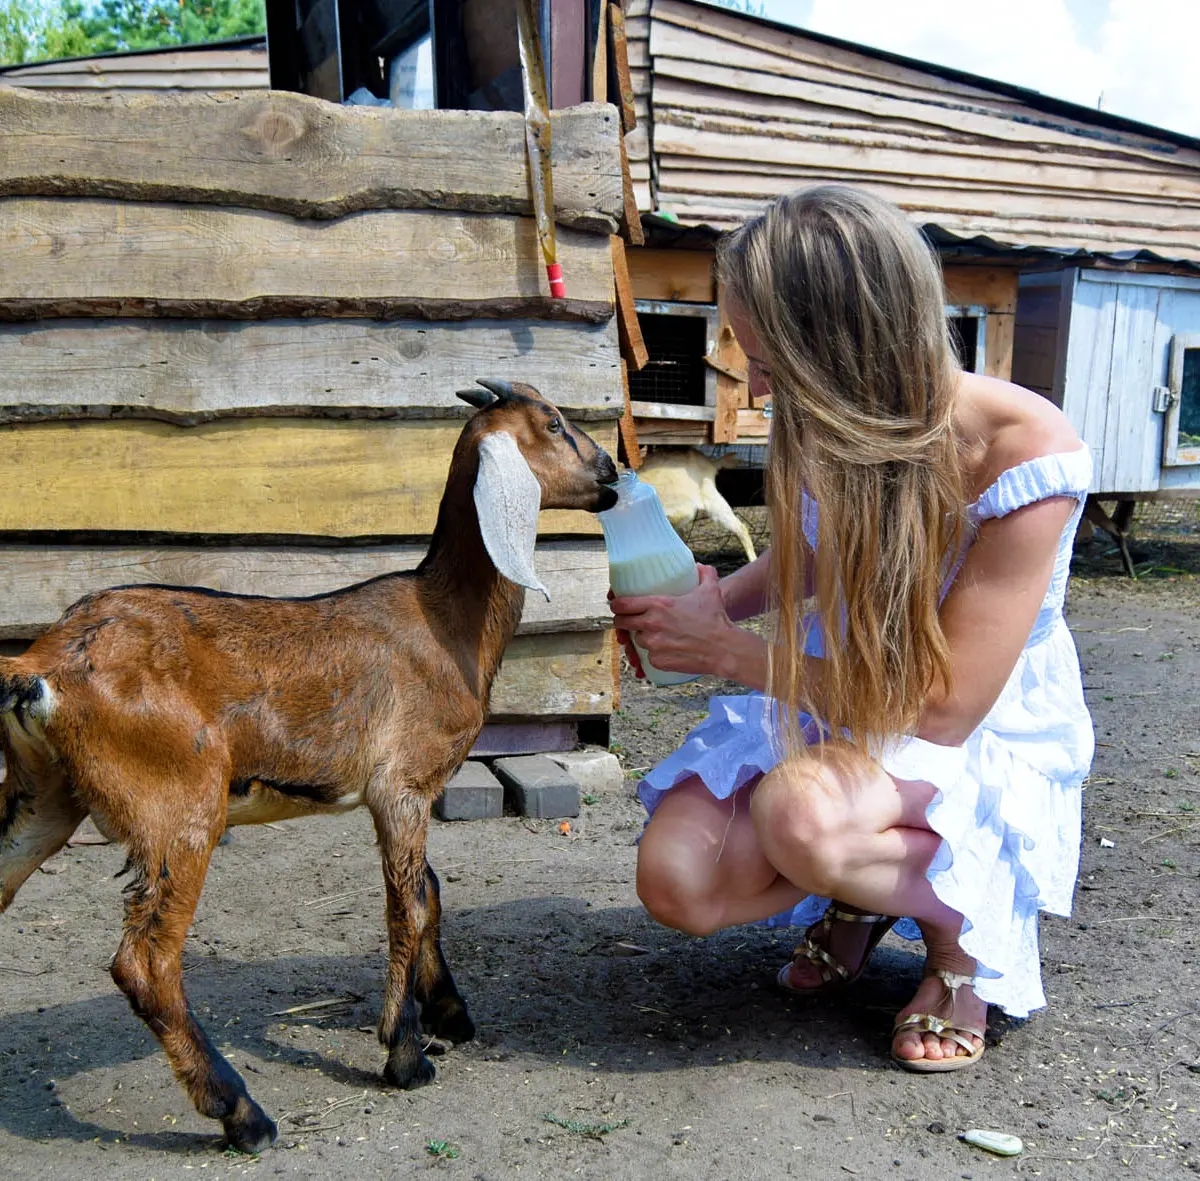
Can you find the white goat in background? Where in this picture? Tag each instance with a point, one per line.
(686, 483)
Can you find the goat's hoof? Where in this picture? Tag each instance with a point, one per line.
(449, 1020)
(249, 1129)
(409, 1073)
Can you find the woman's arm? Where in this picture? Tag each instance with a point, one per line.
(990, 611)
(746, 591)
(693, 633)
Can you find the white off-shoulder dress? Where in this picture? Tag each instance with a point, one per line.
(1008, 801)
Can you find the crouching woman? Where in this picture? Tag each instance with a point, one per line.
(917, 738)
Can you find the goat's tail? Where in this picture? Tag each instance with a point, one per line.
(37, 811)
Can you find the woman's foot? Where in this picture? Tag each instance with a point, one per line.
(835, 949)
(958, 1008)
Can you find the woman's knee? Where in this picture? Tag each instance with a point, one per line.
(799, 813)
(675, 888)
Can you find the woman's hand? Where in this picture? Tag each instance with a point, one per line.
(684, 633)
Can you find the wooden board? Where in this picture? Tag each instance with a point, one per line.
(295, 154)
(39, 582)
(192, 371)
(291, 477)
(629, 329)
(89, 257)
(678, 276)
(994, 288)
(563, 675)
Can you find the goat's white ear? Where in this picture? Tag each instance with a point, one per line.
(507, 500)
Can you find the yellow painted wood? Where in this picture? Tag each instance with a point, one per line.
(251, 476)
(569, 674)
(90, 257)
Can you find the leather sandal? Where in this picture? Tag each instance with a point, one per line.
(834, 974)
(943, 1028)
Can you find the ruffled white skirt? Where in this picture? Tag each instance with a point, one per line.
(1007, 807)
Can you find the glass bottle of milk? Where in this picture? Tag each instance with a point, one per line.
(646, 556)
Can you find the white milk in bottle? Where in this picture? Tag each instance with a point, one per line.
(646, 556)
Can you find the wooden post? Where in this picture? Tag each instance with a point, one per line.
(627, 428)
(732, 380)
(633, 347)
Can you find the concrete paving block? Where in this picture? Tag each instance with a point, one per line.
(593, 768)
(534, 786)
(473, 794)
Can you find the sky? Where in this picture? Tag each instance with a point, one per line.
(1137, 58)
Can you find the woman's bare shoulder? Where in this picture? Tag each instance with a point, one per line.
(1012, 425)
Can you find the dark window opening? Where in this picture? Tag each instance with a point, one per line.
(1189, 400)
(676, 372)
(964, 335)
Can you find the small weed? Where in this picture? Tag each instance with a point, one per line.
(1186, 806)
(582, 1129)
(247, 1158)
(1112, 1096)
(441, 1148)
(1169, 864)
(1171, 773)
(589, 799)
(1108, 697)
(616, 748)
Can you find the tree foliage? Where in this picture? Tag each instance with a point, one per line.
(76, 28)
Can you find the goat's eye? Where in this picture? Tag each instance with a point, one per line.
(555, 426)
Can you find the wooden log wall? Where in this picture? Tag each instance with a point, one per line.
(231, 328)
(739, 111)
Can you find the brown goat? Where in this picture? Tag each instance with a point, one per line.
(167, 713)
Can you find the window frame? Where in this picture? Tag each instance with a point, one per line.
(979, 313)
(1173, 454)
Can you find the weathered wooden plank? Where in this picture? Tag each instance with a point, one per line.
(673, 275)
(627, 428)
(719, 88)
(721, 212)
(39, 582)
(620, 62)
(998, 346)
(1132, 376)
(994, 288)
(731, 391)
(740, 44)
(192, 371)
(292, 477)
(91, 257)
(629, 329)
(1089, 354)
(564, 675)
(1113, 214)
(876, 153)
(295, 154)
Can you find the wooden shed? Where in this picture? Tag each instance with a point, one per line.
(231, 328)
(733, 110)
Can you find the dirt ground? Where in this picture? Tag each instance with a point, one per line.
(611, 1048)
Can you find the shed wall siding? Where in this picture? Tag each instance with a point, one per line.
(1118, 347)
(739, 112)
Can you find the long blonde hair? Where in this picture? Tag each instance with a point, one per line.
(846, 300)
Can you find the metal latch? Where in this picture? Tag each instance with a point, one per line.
(1164, 398)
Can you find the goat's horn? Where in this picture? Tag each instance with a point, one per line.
(502, 389)
(480, 399)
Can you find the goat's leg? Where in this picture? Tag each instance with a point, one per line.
(159, 906)
(36, 820)
(443, 1010)
(720, 510)
(401, 823)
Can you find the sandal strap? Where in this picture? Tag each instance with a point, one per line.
(952, 980)
(819, 956)
(939, 1027)
(844, 916)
